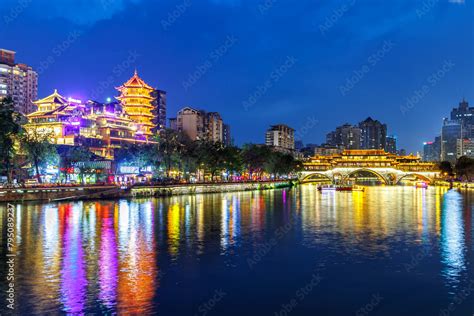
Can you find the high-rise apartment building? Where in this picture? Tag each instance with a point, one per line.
(215, 127)
(227, 137)
(373, 134)
(391, 144)
(345, 136)
(19, 81)
(280, 136)
(201, 125)
(465, 147)
(159, 110)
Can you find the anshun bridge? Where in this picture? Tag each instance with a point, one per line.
(389, 168)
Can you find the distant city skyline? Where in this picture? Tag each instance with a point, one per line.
(373, 60)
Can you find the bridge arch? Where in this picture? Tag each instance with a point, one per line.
(420, 176)
(378, 175)
(319, 175)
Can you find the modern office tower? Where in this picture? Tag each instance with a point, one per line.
(391, 144)
(280, 136)
(159, 110)
(465, 147)
(450, 133)
(373, 134)
(463, 114)
(137, 101)
(19, 81)
(226, 135)
(432, 150)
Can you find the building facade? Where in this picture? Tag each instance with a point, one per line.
(100, 127)
(463, 114)
(345, 136)
(432, 150)
(227, 136)
(280, 136)
(214, 127)
(373, 134)
(18, 81)
(391, 144)
(159, 110)
(450, 133)
(138, 101)
(465, 147)
(202, 125)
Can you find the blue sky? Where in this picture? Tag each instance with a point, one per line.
(311, 64)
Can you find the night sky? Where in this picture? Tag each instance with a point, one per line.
(310, 64)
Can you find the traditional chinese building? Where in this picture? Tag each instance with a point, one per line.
(100, 127)
(137, 100)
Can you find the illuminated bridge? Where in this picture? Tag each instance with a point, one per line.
(353, 165)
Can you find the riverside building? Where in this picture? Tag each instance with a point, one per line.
(18, 81)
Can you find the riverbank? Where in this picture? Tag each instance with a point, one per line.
(115, 192)
(456, 185)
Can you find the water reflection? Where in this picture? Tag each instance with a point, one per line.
(107, 256)
(452, 237)
(73, 274)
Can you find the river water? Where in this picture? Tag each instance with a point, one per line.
(386, 251)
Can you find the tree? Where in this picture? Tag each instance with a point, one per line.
(139, 155)
(446, 168)
(465, 168)
(9, 129)
(171, 147)
(37, 148)
(232, 160)
(254, 158)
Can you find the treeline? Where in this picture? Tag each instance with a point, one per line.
(176, 156)
(172, 155)
(462, 170)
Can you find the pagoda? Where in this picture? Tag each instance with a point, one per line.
(137, 101)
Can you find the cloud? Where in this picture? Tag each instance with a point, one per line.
(81, 12)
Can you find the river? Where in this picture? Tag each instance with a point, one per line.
(386, 251)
